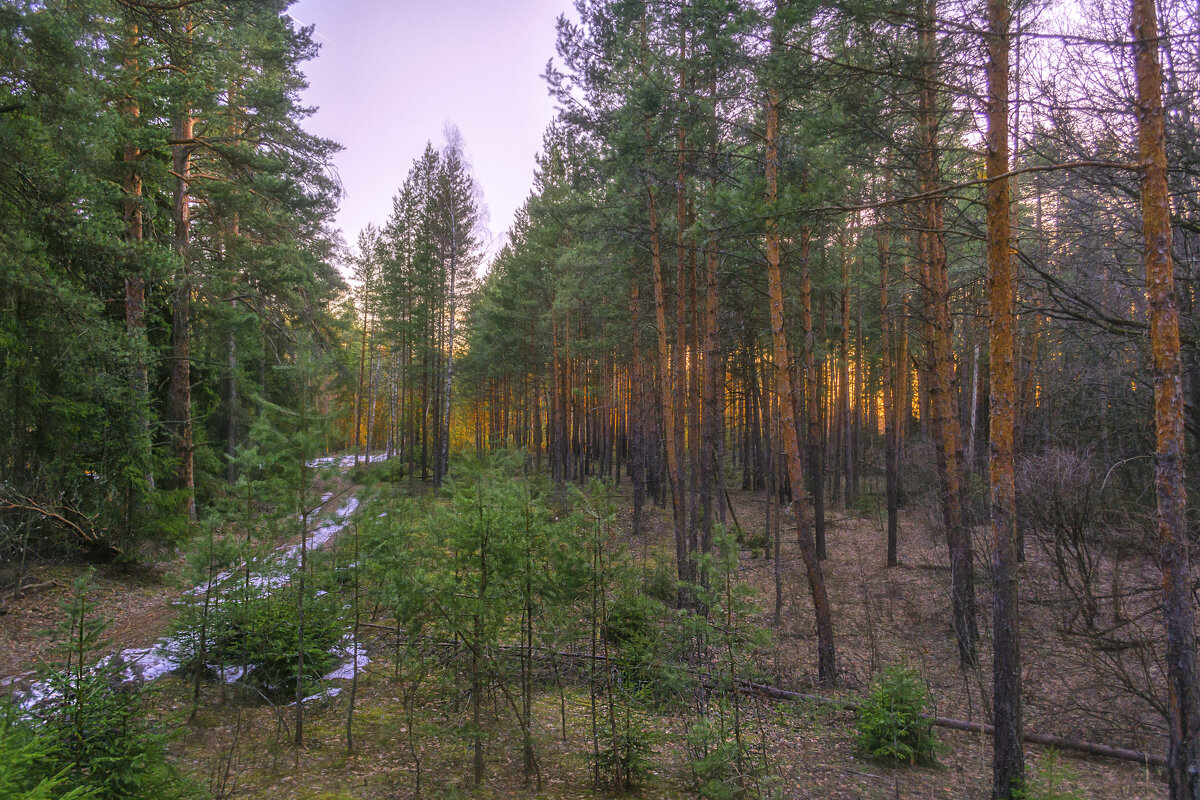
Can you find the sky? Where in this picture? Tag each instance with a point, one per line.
(392, 73)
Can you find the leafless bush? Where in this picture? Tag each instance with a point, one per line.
(1098, 566)
(918, 472)
(1058, 511)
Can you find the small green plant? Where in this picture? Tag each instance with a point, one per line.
(659, 583)
(631, 617)
(756, 543)
(719, 762)
(1051, 781)
(27, 760)
(261, 633)
(102, 743)
(892, 725)
(867, 504)
(625, 756)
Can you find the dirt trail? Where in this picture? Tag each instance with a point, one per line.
(138, 604)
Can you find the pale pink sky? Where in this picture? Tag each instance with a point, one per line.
(391, 73)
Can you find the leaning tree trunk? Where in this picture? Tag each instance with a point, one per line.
(1183, 758)
(826, 659)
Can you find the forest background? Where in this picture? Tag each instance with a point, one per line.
(934, 264)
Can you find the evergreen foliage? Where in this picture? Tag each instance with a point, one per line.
(893, 723)
(92, 727)
(92, 408)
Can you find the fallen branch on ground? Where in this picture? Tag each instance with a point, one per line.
(1045, 739)
(774, 693)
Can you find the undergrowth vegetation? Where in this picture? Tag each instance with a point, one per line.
(511, 588)
(893, 723)
(91, 736)
(508, 620)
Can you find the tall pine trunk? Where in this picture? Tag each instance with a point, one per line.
(943, 408)
(135, 282)
(812, 405)
(826, 658)
(181, 381)
(1008, 757)
(891, 395)
(1183, 758)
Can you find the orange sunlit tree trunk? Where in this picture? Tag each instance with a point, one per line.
(826, 659)
(1008, 757)
(1183, 758)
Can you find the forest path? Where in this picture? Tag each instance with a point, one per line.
(139, 603)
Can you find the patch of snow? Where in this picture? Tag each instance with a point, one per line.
(347, 460)
(346, 651)
(147, 663)
(232, 674)
(333, 691)
(151, 663)
(14, 678)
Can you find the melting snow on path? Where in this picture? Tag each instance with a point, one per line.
(285, 560)
(346, 461)
(147, 664)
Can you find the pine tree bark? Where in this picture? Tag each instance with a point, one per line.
(683, 520)
(844, 395)
(826, 656)
(712, 484)
(942, 405)
(135, 283)
(1008, 756)
(891, 399)
(812, 404)
(443, 463)
(362, 364)
(1183, 703)
(665, 393)
(181, 381)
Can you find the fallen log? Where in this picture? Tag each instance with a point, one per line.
(1045, 739)
(774, 693)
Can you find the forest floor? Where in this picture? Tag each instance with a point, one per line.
(881, 616)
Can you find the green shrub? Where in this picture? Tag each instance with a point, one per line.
(755, 542)
(631, 617)
(660, 584)
(867, 504)
(721, 768)
(262, 633)
(27, 763)
(265, 634)
(100, 740)
(625, 763)
(892, 725)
